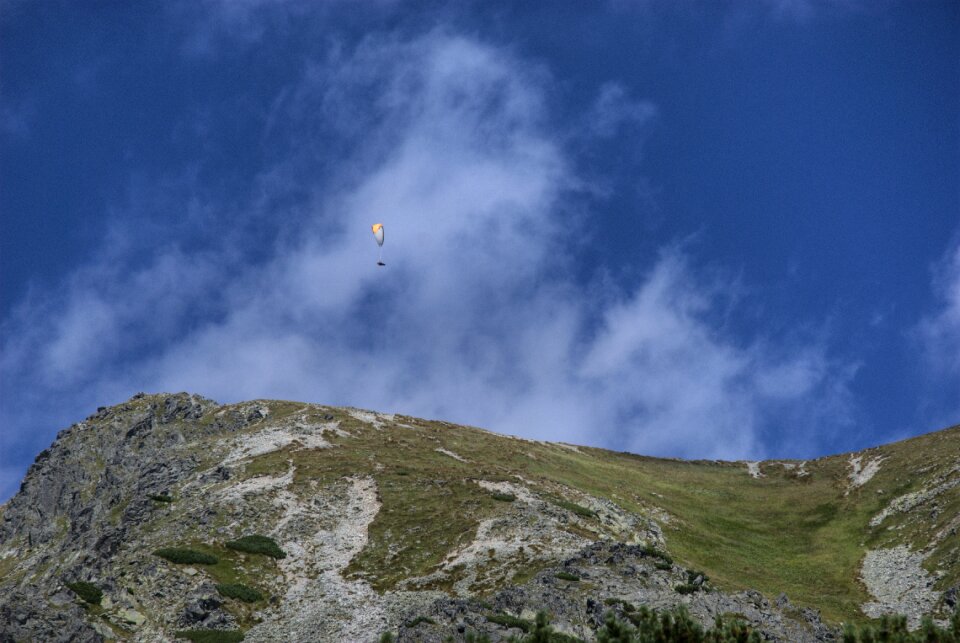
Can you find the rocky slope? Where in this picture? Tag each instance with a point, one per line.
(427, 530)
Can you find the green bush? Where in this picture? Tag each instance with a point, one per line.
(672, 627)
(686, 588)
(87, 591)
(240, 592)
(161, 497)
(653, 552)
(186, 556)
(575, 508)
(692, 576)
(504, 497)
(663, 565)
(625, 606)
(211, 636)
(510, 621)
(894, 629)
(420, 619)
(567, 576)
(257, 544)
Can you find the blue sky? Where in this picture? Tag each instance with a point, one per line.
(720, 230)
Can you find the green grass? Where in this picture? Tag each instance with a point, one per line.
(567, 576)
(240, 592)
(183, 556)
(211, 636)
(89, 592)
(780, 533)
(504, 497)
(257, 544)
(161, 497)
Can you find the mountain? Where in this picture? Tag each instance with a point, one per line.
(365, 522)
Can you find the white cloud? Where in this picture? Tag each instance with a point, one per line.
(614, 109)
(940, 332)
(477, 318)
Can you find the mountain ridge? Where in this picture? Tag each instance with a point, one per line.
(386, 518)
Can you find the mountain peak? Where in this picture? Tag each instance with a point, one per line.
(393, 523)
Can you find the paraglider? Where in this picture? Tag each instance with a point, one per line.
(378, 235)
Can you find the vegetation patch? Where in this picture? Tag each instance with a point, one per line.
(653, 552)
(240, 592)
(895, 629)
(257, 544)
(624, 605)
(161, 497)
(686, 588)
(211, 636)
(567, 576)
(575, 508)
(675, 626)
(183, 556)
(420, 619)
(510, 621)
(89, 592)
(504, 497)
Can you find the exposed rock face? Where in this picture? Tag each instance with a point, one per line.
(609, 572)
(386, 522)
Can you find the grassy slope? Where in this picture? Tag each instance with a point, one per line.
(782, 532)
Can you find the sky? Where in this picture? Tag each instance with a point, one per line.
(703, 230)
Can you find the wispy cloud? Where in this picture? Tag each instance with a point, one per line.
(477, 318)
(939, 332)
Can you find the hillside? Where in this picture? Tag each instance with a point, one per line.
(428, 529)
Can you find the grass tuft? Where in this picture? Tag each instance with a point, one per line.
(420, 619)
(567, 576)
(257, 544)
(510, 621)
(575, 508)
(89, 592)
(211, 636)
(240, 592)
(183, 556)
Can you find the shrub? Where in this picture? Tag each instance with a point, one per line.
(567, 576)
(653, 552)
(543, 633)
(575, 508)
(386, 637)
(510, 621)
(692, 576)
(504, 497)
(87, 591)
(420, 619)
(624, 605)
(240, 592)
(186, 556)
(895, 629)
(257, 544)
(161, 497)
(211, 636)
(672, 627)
(686, 588)
(662, 565)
